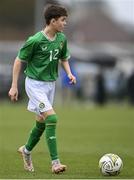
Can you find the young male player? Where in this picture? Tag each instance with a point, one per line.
(42, 53)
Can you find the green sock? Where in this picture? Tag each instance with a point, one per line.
(51, 121)
(35, 135)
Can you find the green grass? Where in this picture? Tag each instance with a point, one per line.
(84, 135)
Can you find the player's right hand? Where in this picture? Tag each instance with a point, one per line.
(13, 94)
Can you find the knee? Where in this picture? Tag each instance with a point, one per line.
(40, 118)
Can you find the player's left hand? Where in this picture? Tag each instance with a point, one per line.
(72, 79)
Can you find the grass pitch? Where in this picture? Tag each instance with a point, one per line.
(84, 135)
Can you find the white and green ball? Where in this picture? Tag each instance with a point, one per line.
(110, 164)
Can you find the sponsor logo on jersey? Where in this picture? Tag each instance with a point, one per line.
(44, 48)
(41, 105)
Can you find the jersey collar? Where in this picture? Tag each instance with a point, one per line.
(48, 37)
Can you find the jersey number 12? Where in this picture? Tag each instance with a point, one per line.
(53, 54)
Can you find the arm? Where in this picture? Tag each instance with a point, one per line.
(13, 92)
(66, 66)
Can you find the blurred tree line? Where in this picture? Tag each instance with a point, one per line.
(17, 13)
(16, 18)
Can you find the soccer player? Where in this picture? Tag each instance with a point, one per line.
(42, 53)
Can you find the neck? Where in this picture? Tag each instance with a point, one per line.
(49, 32)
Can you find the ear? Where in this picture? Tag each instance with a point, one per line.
(53, 20)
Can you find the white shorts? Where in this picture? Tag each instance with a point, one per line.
(41, 95)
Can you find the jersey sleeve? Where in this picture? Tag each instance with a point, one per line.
(65, 54)
(26, 51)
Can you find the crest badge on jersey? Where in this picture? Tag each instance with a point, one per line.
(61, 44)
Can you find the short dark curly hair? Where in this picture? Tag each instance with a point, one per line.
(54, 11)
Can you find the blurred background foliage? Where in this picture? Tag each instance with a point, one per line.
(100, 43)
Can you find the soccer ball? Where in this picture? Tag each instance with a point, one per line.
(110, 164)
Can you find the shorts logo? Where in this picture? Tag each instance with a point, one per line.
(41, 105)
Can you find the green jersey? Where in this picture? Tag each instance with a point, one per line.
(42, 55)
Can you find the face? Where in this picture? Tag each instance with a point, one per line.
(60, 23)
